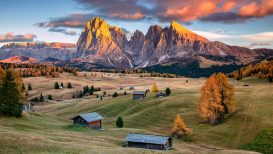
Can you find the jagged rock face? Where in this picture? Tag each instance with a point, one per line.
(39, 51)
(161, 45)
(107, 45)
(103, 44)
(134, 47)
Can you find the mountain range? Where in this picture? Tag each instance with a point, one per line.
(104, 45)
(39, 51)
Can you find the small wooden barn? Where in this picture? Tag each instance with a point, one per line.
(91, 120)
(138, 95)
(148, 141)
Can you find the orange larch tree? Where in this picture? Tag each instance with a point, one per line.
(179, 129)
(216, 100)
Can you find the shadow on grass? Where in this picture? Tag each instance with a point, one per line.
(76, 128)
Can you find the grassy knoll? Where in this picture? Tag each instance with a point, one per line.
(49, 129)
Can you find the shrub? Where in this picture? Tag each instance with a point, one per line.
(56, 85)
(115, 94)
(168, 91)
(49, 97)
(119, 122)
(69, 85)
(29, 87)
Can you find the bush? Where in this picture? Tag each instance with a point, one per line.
(69, 85)
(29, 87)
(56, 85)
(41, 98)
(168, 91)
(49, 97)
(115, 94)
(119, 122)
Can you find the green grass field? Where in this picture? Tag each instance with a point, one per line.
(49, 129)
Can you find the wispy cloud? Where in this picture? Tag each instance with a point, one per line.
(10, 37)
(259, 39)
(62, 30)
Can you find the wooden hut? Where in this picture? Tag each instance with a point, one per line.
(138, 95)
(148, 141)
(91, 120)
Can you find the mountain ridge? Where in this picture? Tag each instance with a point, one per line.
(104, 45)
(159, 45)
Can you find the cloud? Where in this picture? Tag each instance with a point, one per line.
(121, 7)
(135, 16)
(228, 6)
(257, 9)
(242, 11)
(62, 30)
(62, 24)
(186, 11)
(260, 39)
(10, 37)
(225, 17)
(255, 45)
(70, 21)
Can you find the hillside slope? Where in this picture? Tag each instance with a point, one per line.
(49, 128)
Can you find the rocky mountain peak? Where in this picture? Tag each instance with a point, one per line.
(175, 26)
(186, 33)
(137, 35)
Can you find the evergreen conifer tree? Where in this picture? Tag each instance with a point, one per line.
(10, 96)
(119, 122)
(29, 87)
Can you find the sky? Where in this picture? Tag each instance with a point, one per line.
(247, 23)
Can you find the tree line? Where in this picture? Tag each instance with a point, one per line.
(142, 72)
(263, 70)
(35, 70)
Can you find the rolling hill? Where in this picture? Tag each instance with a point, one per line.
(49, 128)
(19, 59)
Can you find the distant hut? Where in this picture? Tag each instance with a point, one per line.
(138, 95)
(148, 141)
(60, 85)
(160, 94)
(27, 107)
(91, 120)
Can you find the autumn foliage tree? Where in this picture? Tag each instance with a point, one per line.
(154, 88)
(217, 99)
(179, 129)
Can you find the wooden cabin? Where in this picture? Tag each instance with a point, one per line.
(91, 120)
(148, 141)
(138, 95)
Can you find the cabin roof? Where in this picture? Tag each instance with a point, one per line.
(139, 93)
(143, 138)
(89, 117)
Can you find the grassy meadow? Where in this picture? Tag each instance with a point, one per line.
(50, 130)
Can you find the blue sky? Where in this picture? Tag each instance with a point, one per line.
(235, 22)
